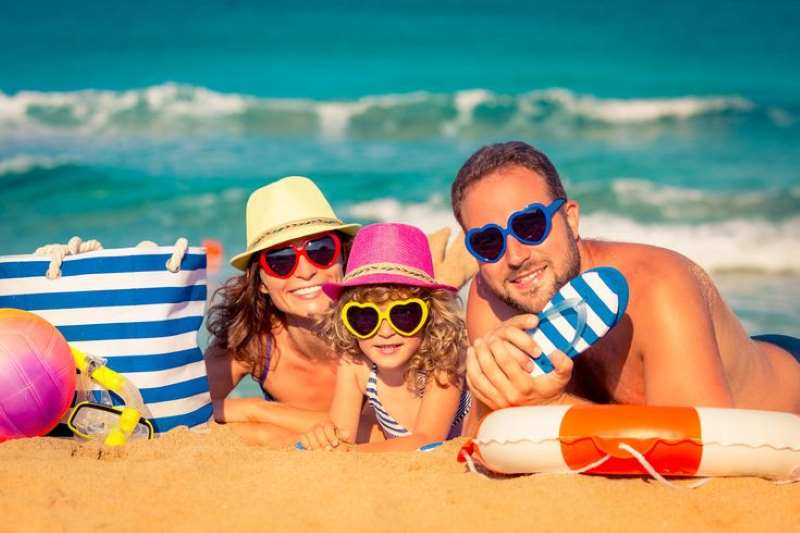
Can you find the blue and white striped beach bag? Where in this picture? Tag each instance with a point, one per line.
(126, 306)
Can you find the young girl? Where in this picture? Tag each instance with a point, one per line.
(402, 344)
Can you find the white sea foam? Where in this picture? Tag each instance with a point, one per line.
(94, 110)
(465, 103)
(21, 164)
(638, 110)
(684, 203)
(162, 106)
(781, 117)
(335, 116)
(673, 202)
(732, 245)
(431, 215)
(639, 191)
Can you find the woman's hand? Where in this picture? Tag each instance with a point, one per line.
(325, 436)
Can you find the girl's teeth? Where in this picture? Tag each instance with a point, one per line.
(388, 349)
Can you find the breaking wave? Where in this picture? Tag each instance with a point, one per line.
(175, 109)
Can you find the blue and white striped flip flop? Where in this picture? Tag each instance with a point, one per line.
(579, 314)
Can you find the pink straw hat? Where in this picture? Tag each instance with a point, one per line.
(385, 254)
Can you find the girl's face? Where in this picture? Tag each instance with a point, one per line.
(301, 293)
(387, 348)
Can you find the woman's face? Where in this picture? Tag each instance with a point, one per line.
(301, 293)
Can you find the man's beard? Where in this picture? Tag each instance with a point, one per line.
(573, 268)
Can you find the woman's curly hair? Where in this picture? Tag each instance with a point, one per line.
(242, 318)
(444, 337)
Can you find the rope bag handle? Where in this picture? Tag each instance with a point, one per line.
(75, 246)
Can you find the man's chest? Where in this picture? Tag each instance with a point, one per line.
(611, 371)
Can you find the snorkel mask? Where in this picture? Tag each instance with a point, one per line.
(114, 425)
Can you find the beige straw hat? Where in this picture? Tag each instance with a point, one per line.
(284, 210)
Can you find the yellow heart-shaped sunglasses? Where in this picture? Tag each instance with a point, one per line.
(406, 317)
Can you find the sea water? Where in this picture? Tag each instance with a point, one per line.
(676, 124)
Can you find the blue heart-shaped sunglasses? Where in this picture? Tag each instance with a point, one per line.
(530, 225)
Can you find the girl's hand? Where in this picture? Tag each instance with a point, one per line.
(325, 436)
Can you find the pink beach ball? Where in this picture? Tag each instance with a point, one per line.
(37, 375)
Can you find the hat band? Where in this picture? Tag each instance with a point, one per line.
(291, 225)
(388, 268)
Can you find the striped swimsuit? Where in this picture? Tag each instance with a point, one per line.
(392, 428)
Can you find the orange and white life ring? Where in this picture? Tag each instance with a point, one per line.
(627, 439)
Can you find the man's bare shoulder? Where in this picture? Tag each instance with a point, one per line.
(644, 266)
(660, 280)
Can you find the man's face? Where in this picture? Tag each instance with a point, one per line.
(527, 276)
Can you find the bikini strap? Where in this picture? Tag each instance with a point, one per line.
(267, 357)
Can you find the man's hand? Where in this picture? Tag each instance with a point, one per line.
(325, 436)
(499, 366)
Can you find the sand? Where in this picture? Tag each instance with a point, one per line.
(212, 481)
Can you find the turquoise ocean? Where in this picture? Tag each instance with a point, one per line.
(673, 123)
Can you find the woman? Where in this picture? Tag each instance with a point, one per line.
(263, 323)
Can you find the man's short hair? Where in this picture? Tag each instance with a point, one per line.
(493, 157)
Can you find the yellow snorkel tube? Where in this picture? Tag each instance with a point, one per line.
(90, 420)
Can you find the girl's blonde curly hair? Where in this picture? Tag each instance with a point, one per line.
(444, 337)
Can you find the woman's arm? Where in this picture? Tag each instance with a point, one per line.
(258, 410)
(261, 434)
(224, 372)
(436, 414)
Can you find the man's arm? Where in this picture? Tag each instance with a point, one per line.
(498, 364)
(682, 362)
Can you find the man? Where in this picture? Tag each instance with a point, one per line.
(677, 344)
